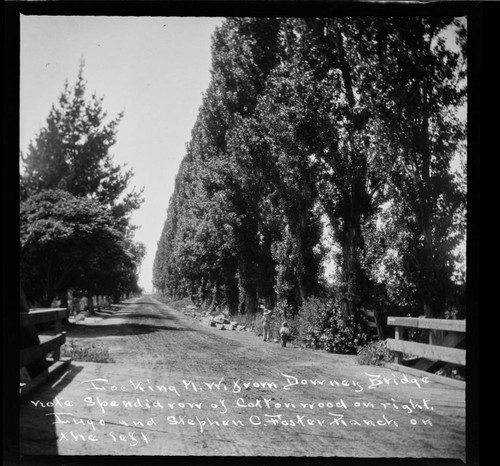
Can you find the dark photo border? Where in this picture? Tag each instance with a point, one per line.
(480, 33)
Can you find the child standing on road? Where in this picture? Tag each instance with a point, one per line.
(266, 322)
(284, 333)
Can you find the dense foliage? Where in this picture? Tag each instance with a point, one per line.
(374, 353)
(75, 206)
(342, 129)
(320, 325)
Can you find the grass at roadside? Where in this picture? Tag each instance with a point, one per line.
(86, 352)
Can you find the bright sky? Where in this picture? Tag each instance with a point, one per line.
(154, 68)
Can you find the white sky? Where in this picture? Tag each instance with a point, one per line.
(154, 68)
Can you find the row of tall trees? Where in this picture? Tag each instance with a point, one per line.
(324, 128)
(75, 205)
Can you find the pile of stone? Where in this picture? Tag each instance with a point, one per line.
(193, 311)
(221, 321)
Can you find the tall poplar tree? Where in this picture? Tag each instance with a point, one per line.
(420, 83)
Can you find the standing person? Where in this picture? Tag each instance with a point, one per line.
(266, 322)
(284, 333)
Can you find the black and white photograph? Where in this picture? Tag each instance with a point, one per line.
(243, 233)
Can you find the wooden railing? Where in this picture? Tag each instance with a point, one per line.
(444, 337)
(47, 344)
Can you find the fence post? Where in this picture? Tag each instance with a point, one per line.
(398, 336)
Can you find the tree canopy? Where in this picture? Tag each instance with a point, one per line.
(313, 127)
(76, 204)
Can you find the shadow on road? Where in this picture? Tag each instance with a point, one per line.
(37, 433)
(123, 329)
(132, 315)
(118, 306)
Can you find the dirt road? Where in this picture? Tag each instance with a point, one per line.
(178, 387)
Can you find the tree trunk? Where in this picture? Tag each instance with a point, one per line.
(428, 282)
(48, 297)
(267, 276)
(63, 297)
(251, 301)
(356, 198)
(90, 303)
(349, 274)
(202, 291)
(215, 296)
(231, 289)
(352, 244)
(248, 291)
(297, 230)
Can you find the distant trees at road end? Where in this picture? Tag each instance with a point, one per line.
(75, 206)
(325, 140)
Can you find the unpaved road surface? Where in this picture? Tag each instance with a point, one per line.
(178, 387)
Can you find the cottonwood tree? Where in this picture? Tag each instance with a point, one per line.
(420, 83)
(217, 225)
(312, 116)
(317, 120)
(244, 53)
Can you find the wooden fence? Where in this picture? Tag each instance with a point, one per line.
(446, 341)
(47, 344)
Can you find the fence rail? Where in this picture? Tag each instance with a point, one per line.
(444, 337)
(426, 323)
(47, 344)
